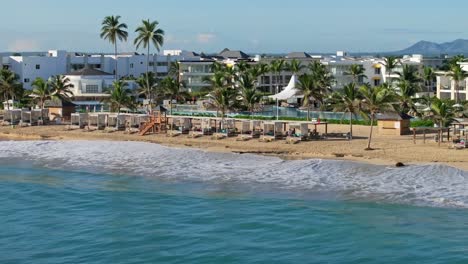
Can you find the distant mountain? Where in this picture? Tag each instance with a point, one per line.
(459, 46)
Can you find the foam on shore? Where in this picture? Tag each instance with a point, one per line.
(435, 185)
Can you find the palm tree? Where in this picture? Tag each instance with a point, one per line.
(173, 89)
(149, 33)
(41, 93)
(248, 92)
(322, 79)
(356, 71)
(223, 99)
(242, 67)
(259, 70)
(348, 101)
(10, 87)
(294, 66)
(174, 70)
(428, 78)
(458, 75)
(61, 88)
(442, 113)
(375, 100)
(113, 30)
(119, 96)
(147, 84)
(390, 63)
(307, 86)
(410, 74)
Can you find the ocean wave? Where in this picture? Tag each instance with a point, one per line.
(431, 184)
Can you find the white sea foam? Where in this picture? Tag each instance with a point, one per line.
(431, 184)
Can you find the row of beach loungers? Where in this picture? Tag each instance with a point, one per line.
(265, 131)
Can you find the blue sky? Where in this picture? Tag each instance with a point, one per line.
(250, 25)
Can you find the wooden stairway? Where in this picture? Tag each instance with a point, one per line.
(156, 122)
(147, 126)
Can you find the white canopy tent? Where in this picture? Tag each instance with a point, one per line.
(288, 91)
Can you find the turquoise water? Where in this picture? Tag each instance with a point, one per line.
(60, 209)
(268, 111)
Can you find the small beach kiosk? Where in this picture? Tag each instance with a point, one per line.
(393, 123)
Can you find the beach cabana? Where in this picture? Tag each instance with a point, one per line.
(297, 132)
(228, 129)
(25, 118)
(249, 129)
(204, 128)
(272, 130)
(79, 120)
(12, 117)
(179, 126)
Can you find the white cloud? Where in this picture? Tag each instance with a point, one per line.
(23, 45)
(205, 38)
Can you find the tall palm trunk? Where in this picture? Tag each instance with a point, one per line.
(150, 103)
(370, 134)
(350, 125)
(308, 112)
(116, 61)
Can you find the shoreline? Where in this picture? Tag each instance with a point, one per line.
(388, 149)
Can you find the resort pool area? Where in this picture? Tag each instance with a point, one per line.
(268, 111)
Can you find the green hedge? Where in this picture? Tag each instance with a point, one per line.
(422, 123)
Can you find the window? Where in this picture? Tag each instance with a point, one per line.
(151, 64)
(141, 62)
(38, 66)
(265, 80)
(377, 71)
(26, 80)
(376, 82)
(92, 88)
(131, 65)
(161, 64)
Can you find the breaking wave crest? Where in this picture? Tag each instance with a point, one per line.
(432, 184)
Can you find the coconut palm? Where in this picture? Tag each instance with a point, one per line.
(223, 99)
(61, 88)
(242, 67)
(390, 63)
(375, 100)
(259, 70)
(428, 77)
(294, 66)
(443, 113)
(277, 67)
(174, 70)
(348, 101)
(10, 87)
(172, 89)
(41, 92)
(356, 71)
(322, 80)
(119, 96)
(248, 92)
(405, 96)
(147, 85)
(149, 34)
(113, 30)
(409, 74)
(308, 87)
(458, 75)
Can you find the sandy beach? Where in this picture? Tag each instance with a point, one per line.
(388, 149)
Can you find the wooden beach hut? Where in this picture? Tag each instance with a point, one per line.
(393, 124)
